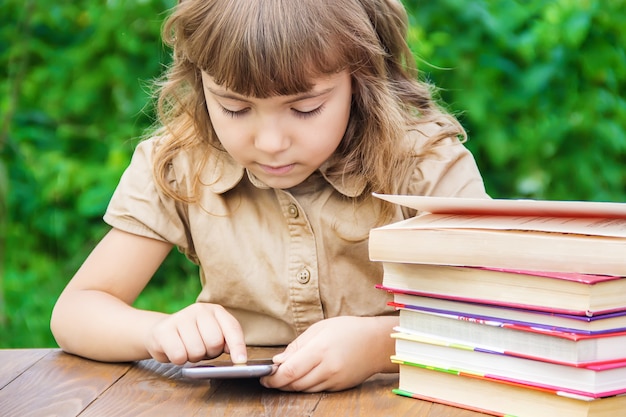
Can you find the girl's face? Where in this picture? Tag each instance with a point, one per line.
(281, 139)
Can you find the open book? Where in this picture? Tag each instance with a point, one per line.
(557, 236)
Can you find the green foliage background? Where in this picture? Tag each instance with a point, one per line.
(539, 85)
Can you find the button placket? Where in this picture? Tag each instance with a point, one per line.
(304, 295)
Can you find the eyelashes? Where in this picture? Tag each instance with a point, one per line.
(307, 114)
(233, 114)
(300, 114)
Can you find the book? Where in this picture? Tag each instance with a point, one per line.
(483, 394)
(509, 307)
(521, 207)
(523, 341)
(593, 381)
(468, 311)
(566, 293)
(578, 237)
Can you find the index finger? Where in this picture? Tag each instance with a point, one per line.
(235, 343)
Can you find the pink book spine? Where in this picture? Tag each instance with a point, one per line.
(499, 303)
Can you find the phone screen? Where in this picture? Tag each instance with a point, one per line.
(254, 368)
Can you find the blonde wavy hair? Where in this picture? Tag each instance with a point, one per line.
(263, 48)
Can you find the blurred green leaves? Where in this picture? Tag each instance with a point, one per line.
(539, 85)
(74, 102)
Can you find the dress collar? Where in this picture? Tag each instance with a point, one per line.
(222, 174)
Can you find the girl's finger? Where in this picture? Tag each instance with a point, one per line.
(233, 336)
(192, 341)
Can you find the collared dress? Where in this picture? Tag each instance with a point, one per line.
(279, 260)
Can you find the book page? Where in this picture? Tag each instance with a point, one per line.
(573, 225)
(460, 205)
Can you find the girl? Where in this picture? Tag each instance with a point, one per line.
(279, 118)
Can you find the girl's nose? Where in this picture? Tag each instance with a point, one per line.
(270, 138)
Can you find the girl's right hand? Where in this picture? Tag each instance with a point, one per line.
(199, 331)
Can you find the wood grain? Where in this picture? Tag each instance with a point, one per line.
(16, 361)
(58, 384)
(47, 382)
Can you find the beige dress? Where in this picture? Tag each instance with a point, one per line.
(279, 260)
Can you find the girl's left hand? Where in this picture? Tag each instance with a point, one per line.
(335, 354)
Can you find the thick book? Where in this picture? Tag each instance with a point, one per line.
(593, 381)
(500, 398)
(478, 312)
(566, 293)
(581, 237)
(571, 349)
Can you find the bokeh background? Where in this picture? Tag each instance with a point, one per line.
(539, 85)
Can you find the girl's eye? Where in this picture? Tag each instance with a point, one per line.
(310, 113)
(234, 113)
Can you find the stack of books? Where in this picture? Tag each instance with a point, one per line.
(509, 307)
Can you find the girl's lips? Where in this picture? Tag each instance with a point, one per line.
(277, 170)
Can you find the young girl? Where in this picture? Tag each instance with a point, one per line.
(279, 118)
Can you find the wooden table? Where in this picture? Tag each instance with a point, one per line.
(48, 382)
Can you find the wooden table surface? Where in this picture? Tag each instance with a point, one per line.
(48, 382)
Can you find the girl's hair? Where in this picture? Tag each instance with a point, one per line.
(263, 48)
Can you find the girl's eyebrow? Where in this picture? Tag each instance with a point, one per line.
(300, 97)
(225, 94)
(310, 94)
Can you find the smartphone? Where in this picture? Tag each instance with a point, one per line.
(254, 368)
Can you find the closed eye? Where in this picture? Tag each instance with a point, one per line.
(310, 113)
(234, 113)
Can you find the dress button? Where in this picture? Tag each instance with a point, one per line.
(293, 211)
(304, 276)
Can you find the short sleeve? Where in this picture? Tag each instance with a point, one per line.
(447, 169)
(139, 207)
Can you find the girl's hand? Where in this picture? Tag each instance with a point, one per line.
(197, 332)
(335, 354)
